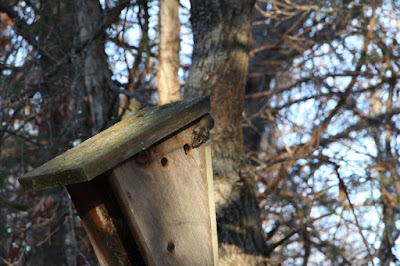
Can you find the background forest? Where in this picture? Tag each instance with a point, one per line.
(305, 95)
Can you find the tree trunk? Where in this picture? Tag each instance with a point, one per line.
(96, 75)
(221, 32)
(67, 25)
(168, 59)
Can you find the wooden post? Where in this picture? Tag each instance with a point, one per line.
(144, 194)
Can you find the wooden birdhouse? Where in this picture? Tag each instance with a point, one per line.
(143, 190)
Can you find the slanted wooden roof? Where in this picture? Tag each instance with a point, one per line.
(115, 144)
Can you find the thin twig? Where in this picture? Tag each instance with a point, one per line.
(354, 214)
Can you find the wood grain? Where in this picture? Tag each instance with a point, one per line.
(166, 195)
(104, 222)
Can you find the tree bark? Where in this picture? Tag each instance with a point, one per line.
(63, 30)
(96, 75)
(221, 32)
(168, 59)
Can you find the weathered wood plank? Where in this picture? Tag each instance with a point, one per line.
(115, 144)
(211, 202)
(104, 222)
(166, 195)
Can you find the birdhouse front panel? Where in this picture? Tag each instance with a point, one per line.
(167, 196)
